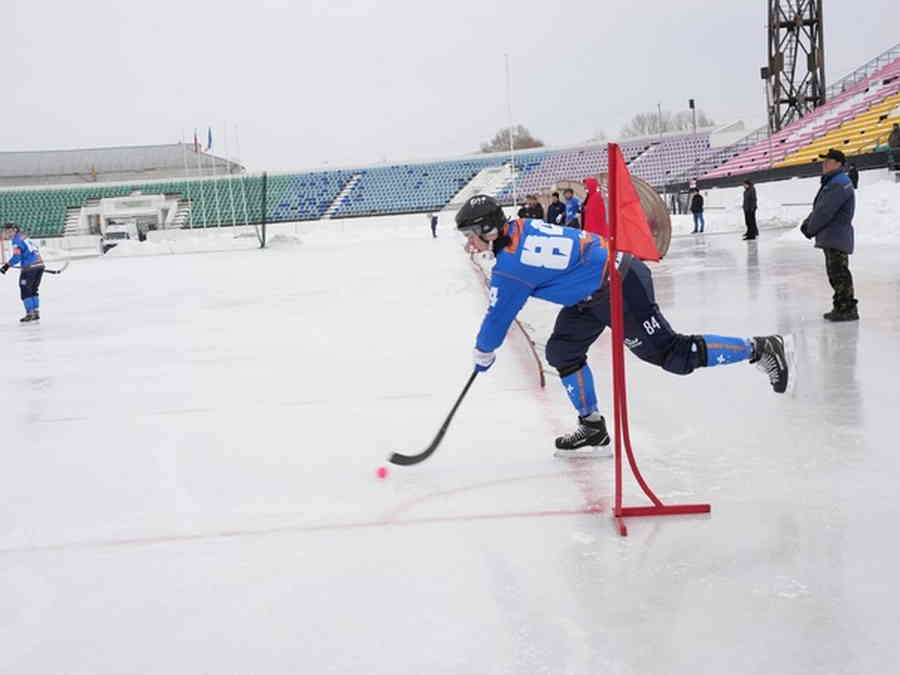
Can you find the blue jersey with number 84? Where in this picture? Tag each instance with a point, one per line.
(559, 264)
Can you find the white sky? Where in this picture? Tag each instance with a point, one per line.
(346, 81)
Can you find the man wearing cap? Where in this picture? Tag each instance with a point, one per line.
(831, 224)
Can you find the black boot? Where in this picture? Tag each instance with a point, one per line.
(843, 313)
(771, 357)
(591, 434)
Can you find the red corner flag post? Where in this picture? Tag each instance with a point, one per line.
(629, 233)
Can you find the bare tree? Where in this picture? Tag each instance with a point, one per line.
(521, 138)
(652, 123)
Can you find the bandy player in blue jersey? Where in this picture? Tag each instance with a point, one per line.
(25, 255)
(568, 267)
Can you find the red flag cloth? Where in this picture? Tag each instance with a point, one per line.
(632, 230)
(594, 210)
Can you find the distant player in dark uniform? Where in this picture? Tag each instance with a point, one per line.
(25, 255)
(567, 266)
(433, 221)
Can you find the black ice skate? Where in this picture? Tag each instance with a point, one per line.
(590, 439)
(771, 355)
(31, 316)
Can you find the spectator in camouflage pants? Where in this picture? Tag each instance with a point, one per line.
(831, 223)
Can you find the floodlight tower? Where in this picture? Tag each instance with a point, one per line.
(796, 71)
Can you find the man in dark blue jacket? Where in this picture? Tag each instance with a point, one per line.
(556, 212)
(831, 223)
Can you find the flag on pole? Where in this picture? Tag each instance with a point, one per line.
(633, 232)
(208, 139)
(196, 142)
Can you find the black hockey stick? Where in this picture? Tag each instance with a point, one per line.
(49, 271)
(406, 460)
(59, 271)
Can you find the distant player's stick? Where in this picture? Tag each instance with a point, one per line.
(49, 271)
(406, 460)
(59, 271)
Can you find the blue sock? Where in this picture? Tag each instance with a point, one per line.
(35, 302)
(722, 350)
(580, 388)
(29, 304)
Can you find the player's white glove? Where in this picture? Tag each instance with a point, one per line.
(483, 360)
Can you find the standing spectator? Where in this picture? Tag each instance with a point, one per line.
(573, 208)
(853, 175)
(750, 211)
(556, 211)
(831, 223)
(594, 210)
(532, 208)
(697, 210)
(894, 138)
(434, 224)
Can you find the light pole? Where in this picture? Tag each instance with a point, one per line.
(764, 74)
(659, 112)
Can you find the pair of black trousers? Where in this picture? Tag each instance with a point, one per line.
(750, 220)
(30, 281)
(648, 334)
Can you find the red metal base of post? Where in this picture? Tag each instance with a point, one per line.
(663, 510)
(624, 199)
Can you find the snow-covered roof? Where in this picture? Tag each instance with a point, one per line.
(100, 160)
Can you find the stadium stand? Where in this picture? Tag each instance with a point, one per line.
(401, 188)
(852, 113)
(42, 212)
(409, 188)
(527, 174)
(868, 130)
(540, 171)
(860, 111)
(306, 196)
(666, 161)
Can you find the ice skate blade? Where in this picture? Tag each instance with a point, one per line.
(589, 452)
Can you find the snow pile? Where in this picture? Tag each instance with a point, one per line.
(877, 217)
(186, 241)
(878, 212)
(284, 241)
(784, 204)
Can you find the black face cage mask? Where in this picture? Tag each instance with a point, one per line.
(485, 224)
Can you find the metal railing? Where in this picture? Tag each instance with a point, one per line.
(861, 73)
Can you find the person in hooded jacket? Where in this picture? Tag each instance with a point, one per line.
(594, 210)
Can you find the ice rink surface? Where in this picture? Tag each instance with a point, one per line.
(190, 447)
